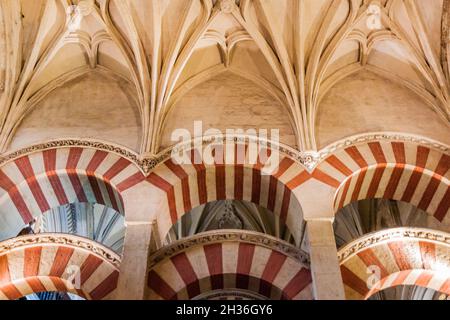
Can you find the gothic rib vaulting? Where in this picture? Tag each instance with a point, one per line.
(93, 206)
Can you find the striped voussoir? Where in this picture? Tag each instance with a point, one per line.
(51, 268)
(405, 261)
(187, 186)
(35, 183)
(392, 170)
(230, 265)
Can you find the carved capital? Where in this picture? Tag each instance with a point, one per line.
(380, 136)
(308, 159)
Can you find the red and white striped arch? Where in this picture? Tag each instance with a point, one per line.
(186, 186)
(230, 265)
(34, 183)
(394, 170)
(43, 266)
(400, 261)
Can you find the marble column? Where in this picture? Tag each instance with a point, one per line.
(326, 274)
(140, 206)
(133, 269)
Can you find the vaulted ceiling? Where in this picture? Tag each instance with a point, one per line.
(145, 57)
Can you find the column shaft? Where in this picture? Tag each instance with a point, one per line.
(326, 274)
(133, 269)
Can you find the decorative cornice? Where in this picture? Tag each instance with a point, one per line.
(308, 159)
(148, 163)
(68, 143)
(60, 239)
(221, 236)
(381, 136)
(390, 235)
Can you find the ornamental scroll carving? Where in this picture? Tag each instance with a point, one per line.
(394, 234)
(366, 138)
(229, 236)
(67, 143)
(63, 240)
(308, 159)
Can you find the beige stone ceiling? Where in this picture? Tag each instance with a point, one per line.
(124, 71)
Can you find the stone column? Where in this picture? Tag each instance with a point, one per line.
(326, 274)
(140, 206)
(133, 269)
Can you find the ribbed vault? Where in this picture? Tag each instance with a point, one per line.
(91, 92)
(158, 51)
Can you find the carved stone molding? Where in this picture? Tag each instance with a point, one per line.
(380, 136)
(148, 163)
(308, 159)
(73, 142)
(229, 236)
(389, 235)
(60, 239)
